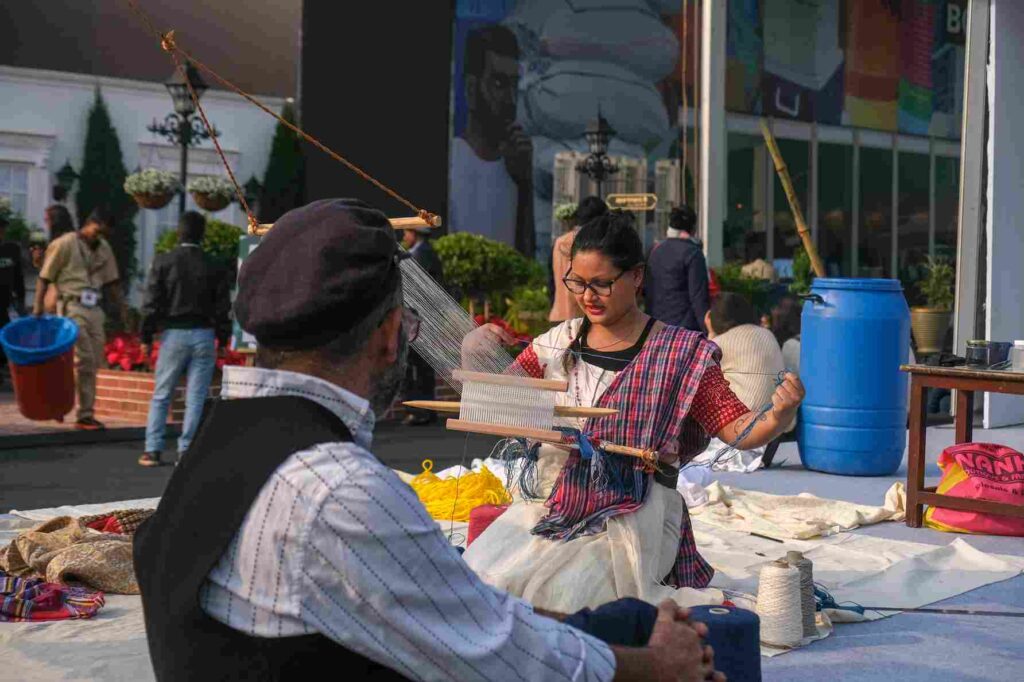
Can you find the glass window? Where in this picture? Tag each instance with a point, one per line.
(947, 203)
(912, 225)
(875, 230)
(835, 208)
(797, 155)
(745, 220)
(14, 185)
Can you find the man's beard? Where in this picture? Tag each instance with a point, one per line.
(388, 383)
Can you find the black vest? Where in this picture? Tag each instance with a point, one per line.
(239, 446)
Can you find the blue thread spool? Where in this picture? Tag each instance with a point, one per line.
(735, 635)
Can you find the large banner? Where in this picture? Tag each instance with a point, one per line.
(528, 75)
(892, 65)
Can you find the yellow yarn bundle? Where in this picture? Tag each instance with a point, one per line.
(474, 488)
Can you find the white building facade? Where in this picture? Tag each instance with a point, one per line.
(43, 122)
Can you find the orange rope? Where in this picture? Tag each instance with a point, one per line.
(168, 43)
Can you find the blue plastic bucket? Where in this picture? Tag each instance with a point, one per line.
(41, 357)
(34, 340)
(855, 334)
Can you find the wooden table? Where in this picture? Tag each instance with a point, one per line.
(965, 382)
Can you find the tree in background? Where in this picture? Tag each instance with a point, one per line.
(284, 185)
(101, 185)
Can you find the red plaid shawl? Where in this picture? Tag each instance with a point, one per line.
(653, 396)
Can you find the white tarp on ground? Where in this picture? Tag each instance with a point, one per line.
(868, 570)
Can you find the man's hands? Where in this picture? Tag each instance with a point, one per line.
(675, 652)
(678, 647)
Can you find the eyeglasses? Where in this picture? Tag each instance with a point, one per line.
(411, 321)
(602, 288)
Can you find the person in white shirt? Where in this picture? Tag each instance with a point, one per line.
(333, 562)
(491, 179)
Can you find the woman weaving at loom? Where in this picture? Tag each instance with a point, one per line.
(624, 531)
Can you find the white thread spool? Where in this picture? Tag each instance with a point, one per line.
(807, 607)
(778, 605)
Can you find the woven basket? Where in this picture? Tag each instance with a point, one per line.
(153, 201)
(211, 202)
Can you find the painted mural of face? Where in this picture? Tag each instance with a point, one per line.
(495, 95)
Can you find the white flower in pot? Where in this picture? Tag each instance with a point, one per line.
(152, 188)
(212, 193)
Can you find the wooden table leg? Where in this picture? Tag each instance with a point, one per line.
(964, 416)
(915, 450)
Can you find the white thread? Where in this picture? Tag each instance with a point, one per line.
(516, 406)
(807, 604)
(778, 605)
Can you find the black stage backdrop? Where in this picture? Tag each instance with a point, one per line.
(374, 86)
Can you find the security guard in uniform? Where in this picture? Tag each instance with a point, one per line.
(82, 267)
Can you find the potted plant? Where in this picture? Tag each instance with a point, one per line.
(528, 310)
(930, 322)
(566, 214)
(152, 188)
(484, 270)
(211, 193)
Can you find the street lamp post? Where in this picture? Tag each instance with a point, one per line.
(181, 127)
(597, 164)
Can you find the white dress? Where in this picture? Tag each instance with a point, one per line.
(628, 559)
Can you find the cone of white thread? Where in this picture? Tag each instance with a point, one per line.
(778, 605)
(807, 607)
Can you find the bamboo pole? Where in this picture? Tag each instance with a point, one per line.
(794, 202)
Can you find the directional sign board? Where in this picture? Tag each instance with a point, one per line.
(632, 202)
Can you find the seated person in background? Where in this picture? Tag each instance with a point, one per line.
(786, 327)
(756, 251)
(751, 358)
(751, 362)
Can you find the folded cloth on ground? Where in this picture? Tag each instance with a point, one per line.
(31, 599)
(63, 550)
(121, 521)
(800, 516)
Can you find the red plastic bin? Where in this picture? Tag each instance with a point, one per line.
(47, 390)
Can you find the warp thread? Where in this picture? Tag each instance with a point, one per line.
(455, 497)
(807, 602)
(735, 635)
(778, 605)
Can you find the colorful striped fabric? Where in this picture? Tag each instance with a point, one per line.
(654, 396)
(31, 599)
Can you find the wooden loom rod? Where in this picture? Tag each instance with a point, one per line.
(555, 438)
(509, 380)
(396, 223)
(794, 202)
(560, 411)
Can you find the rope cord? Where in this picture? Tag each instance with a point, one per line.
(169, 44)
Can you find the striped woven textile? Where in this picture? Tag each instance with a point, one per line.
(31, 599)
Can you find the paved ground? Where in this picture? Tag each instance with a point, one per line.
(40, 477)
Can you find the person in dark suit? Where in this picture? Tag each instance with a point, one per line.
(419, 378)
(676, 286)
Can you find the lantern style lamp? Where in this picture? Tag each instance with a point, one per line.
(598, 165)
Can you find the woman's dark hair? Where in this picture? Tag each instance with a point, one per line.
(786, 318)
(613, 236)
(683, 218)
(100, 216)
(60, 220)
(730, 310)
(590, 208)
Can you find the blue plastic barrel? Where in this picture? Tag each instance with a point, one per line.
(855, 334)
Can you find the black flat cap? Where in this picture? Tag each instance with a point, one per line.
(320, 271)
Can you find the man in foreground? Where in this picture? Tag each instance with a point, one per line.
(82, 268)
(283, 547)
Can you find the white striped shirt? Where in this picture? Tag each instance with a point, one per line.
(336, 544)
